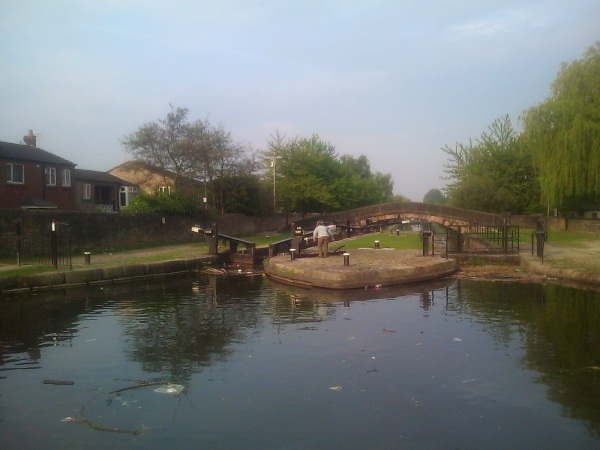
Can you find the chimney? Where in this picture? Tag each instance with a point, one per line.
(30, 139)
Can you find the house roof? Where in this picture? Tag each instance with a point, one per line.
(135, 166)
(29, 153)
(102, 177)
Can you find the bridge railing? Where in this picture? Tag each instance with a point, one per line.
(425, 210)
(479, 239)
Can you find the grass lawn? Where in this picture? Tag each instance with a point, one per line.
(407, 240)
(561, 238)
(571, 238)
(266, 240)
(19, 271)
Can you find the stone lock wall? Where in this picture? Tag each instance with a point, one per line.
(102, 231)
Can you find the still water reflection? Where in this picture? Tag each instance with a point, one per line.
(451, 364)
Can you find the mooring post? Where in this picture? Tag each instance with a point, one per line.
(346, 259)
(541, 237)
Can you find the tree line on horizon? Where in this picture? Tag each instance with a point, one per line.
(554, 162)
(300, 175)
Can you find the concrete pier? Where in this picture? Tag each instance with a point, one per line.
(366, 268)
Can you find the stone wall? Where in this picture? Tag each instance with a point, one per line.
(557, 223)
(102, 231)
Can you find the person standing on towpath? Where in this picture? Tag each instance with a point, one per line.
(322, 235)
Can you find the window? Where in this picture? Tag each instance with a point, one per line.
(126, 195)
(51, 176)
(165, 189)
(87, 191)
(66, 177)
(15, 173)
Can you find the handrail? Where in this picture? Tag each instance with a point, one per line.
(423, 209)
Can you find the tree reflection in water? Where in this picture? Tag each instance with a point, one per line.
(177, 328)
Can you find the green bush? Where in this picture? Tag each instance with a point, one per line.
(164, 203)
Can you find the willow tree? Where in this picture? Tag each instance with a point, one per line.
(563, 133)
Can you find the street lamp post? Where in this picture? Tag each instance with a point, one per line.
(273, 159)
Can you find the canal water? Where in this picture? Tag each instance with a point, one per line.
(239, 362)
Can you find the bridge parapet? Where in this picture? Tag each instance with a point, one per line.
(445, 215)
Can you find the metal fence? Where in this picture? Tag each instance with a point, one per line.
(32, 246)
(479, 239)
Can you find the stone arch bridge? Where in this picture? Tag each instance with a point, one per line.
(390, 212)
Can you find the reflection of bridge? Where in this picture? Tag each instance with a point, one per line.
(391, 212)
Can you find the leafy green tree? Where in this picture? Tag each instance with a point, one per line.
(196, 150)
(242, 194)
(563, 133)
(308, 176)
(399, 198)
(494, 173)
(163, 144)
(229, 160)
(356, 186)
(434, 196)
(307, 172)
(359, 166)
(385, 185)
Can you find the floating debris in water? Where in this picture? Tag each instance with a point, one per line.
(336, 388)
(59, 382)
(98, 427)
(171, 389)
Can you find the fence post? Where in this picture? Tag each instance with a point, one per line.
(19, 242)
(54, 246)
(505, 237)
(70, 249)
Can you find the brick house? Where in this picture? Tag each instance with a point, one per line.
(33, 178)
(101, 191)
(151, 179)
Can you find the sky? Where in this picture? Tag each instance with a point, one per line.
(395, 80)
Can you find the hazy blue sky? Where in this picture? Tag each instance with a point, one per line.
(393, 80)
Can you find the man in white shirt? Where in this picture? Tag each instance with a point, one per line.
(322, 235)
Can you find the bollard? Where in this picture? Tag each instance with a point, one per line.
(376, 244)
(425, 236)
(397, 232)
(88, 258)
(293, 254)
(346, 259)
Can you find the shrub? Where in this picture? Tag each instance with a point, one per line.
(164, 203)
